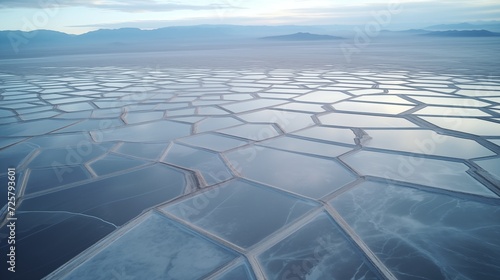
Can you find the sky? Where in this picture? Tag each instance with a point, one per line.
(80, 16)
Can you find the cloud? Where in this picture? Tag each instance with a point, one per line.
(153, 24)
(413, 13)
(131, 6)
(142, 24)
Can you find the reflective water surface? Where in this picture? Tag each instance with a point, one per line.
(423, 235)
(306, 175)
(316, 251)
(157, 255)
(254, 212)
(419, 170)
(126, 172)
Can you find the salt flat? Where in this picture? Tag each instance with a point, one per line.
(266, 162)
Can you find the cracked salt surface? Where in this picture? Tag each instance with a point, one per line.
(188, 173)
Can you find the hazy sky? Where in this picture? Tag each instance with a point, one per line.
(78, 16)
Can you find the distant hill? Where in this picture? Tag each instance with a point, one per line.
(409, 31)
(489, 25)
(38, 36)
(455, 26)
(463, 33)
(302, 37)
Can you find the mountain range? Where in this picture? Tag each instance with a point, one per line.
(493, 26)
(18, 44)
(463, 33)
